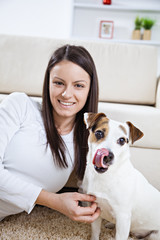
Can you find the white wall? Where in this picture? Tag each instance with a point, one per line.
(47, 18)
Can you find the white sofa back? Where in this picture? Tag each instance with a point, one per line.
(124, 70)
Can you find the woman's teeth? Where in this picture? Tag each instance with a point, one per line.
(66, 103)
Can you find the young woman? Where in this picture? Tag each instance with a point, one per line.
(40, 145)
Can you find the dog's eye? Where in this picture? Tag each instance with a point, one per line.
(121, 141)
(99, 134)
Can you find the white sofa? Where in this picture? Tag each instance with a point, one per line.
(129, 86)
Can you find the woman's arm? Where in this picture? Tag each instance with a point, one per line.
(13, 190)
(68, 204)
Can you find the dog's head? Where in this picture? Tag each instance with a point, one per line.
(109, 140)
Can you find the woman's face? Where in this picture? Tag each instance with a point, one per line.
(68, 87)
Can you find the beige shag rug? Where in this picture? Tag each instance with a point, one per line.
(45, 224)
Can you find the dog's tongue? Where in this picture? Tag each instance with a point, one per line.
(99, 156)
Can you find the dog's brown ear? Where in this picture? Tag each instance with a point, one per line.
(91, 118)
(135, 133)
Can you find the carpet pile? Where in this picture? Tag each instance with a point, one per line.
(45, 224)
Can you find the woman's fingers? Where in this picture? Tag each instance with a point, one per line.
(86, 214)
(86, 197)
(87, 210)
(88, 218)
(68, 204)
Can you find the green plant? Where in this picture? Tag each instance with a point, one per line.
(147, 23)
(138, 23)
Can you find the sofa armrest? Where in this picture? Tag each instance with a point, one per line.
(158, 94)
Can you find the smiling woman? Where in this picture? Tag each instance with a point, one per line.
(43, 144)
(69, 87)
(71, 72)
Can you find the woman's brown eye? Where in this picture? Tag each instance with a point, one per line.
(121, 141)
(99, 134)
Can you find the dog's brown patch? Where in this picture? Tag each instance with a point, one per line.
(98, 122)
(93, 118)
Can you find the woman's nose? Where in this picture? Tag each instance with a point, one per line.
(67, 93)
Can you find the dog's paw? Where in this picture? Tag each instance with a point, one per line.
(110, 225)
(84, 204)
(145, 235)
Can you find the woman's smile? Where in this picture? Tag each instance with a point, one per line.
(66, 104)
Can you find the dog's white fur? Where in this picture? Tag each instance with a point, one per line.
(123, 194)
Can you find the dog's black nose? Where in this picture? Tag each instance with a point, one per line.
(111, 156)
(108, 158)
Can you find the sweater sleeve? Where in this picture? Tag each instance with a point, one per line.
(13, 189)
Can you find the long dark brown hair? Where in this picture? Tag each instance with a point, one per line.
(80, 56)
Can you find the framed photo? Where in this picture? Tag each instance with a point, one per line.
(106, 29)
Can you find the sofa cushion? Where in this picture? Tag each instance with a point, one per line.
(22, 64)
(146, 118)
(127, 72)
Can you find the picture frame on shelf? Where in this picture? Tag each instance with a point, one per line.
(106, 28)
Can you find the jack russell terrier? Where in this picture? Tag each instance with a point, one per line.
(124, 196)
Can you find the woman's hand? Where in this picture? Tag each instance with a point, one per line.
(68, 204)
